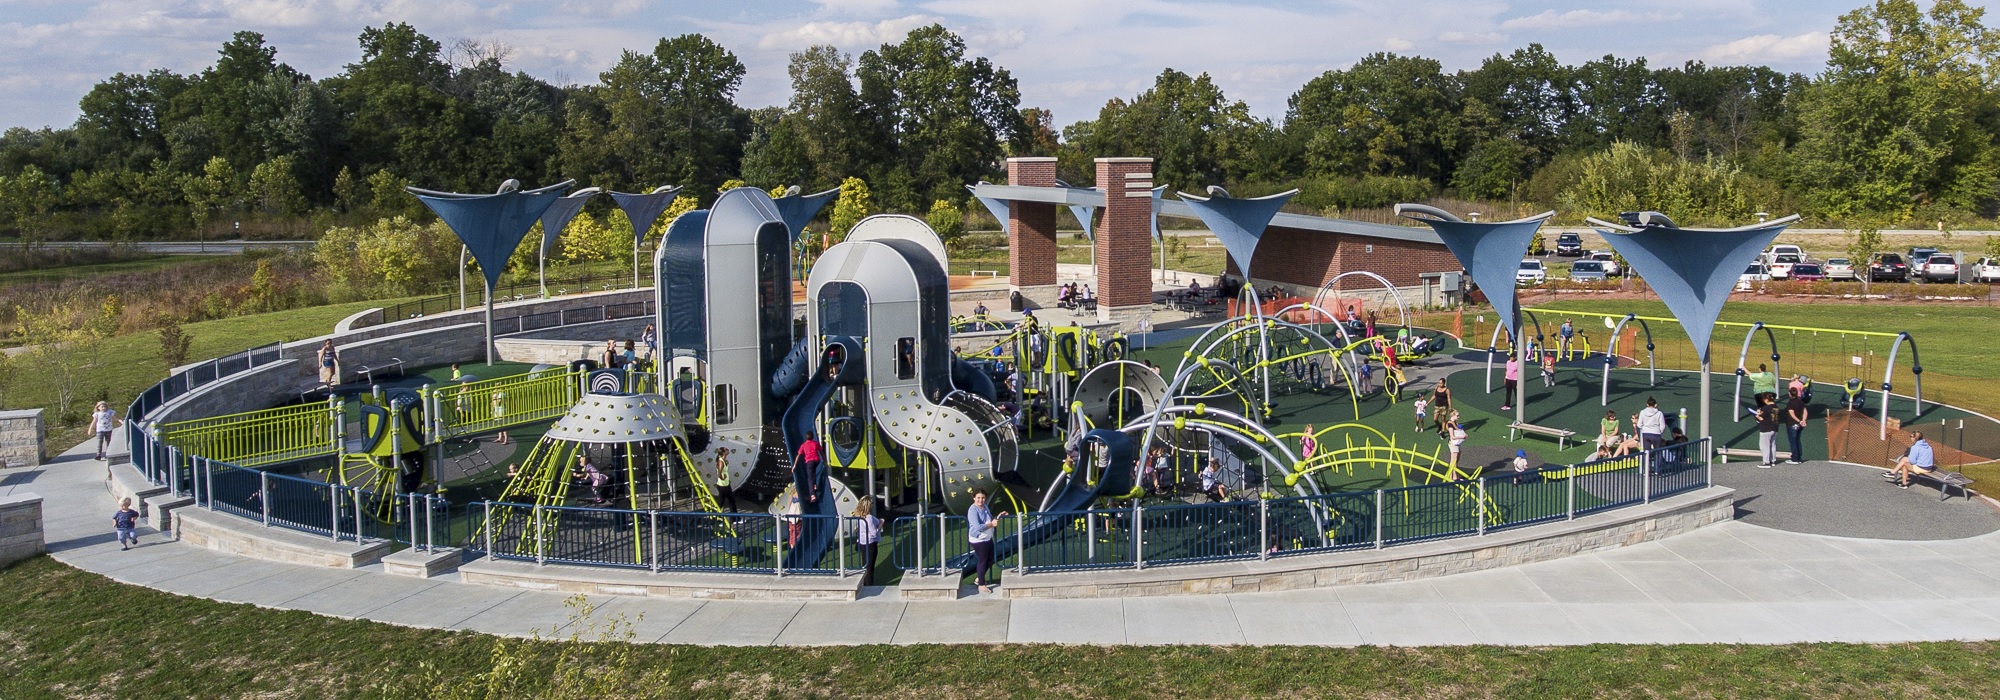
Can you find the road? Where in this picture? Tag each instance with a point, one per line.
(183, 247)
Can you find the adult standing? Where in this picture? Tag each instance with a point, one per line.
(1441, 407)
(611, 355)
(1565, 336)
(980, 524)
(329, 364)
(1513, 379)
(104, 421)
(723, 493)
(1796, 414)
(1651, 424)
(867, 534)
(651, 339)
(1767, 430)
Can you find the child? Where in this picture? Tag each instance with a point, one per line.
(1520, 464)
(1548, 369)
(1457, 438)
(1367, 378)
(1422, 404)
(126, 523)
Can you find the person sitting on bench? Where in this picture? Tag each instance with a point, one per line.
(1918, 460)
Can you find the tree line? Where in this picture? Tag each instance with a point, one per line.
(1899, 128)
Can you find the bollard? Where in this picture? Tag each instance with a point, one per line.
(487, 529)
(1263, 526)
(778, 537)
(1138, 536)
(654, 517)
(1480, 508)
(1378, 518)
(264, 495)
(1572, 493)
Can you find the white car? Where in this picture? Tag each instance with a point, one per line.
(1780, 266)
(1771, 255)
(1750, 277)
(1610, 260)
(1986, 270)
(1839, 269)
(1940, 267)
(1531, 272)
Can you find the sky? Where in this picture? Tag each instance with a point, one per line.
(1069, 56)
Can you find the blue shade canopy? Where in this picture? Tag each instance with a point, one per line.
(492, 225)
(1490, 251)
(561, 212)
(1083, 216)
(1158, 192)
(644, 209)
(1693, 270)
(1239, 223)
(997, 207)
(799, 209)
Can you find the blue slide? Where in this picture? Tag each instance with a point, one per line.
(839, 364)
(1117, 478)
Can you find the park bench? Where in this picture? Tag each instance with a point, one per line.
(1946, 481)
(1739, 452)
(1562, 436)
(394, 365)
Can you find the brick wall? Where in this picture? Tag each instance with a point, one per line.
(1124, 240)
(21, 435)
(1307, 259)
(1031, 226)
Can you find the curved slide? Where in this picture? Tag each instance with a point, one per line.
(1117, 478)
(815, 497)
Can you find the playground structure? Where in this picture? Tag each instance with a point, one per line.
(1098, 451)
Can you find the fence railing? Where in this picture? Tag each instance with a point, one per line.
(655, 540)
(285, 433)
(491, 404)
(339, 513)
(474, 296)
(144, 450)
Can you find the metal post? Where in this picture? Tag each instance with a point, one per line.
(1481, 508)
(940, 549)
(333, 525)
(778, 536)
(174, 471)
(1572, 493)
(1646, 475)
(1090, 535)
(414, 544)
(541, 530)
(489, 323)
(840, 546)
(487, 529)
(430, 523)
(264, 495)
(1263, 526)
(357, 516)
(208, 480)
(920, 545)
(654, 516)
(1378, 518)
(1708, 462)
(1020, 547)
(1138, 536)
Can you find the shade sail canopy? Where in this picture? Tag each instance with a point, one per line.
(1083, 216)
(492, 225)
(644, 209)
(1693, 270)
(799, 209)
(618, 418)
(561, 212)
(1240, 223)
(1489, 251)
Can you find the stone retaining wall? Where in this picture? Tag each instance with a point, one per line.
(1612, 529)
(20, 527)
(243, 537)
(21, 438)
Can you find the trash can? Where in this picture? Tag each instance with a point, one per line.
(1015, 303)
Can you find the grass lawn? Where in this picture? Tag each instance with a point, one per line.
(128, 364)
(76, 634)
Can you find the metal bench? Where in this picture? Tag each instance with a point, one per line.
(1946, 481)
(368, 371)
(1562, 436)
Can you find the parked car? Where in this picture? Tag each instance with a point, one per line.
(1531, 272)
(1986, 270)
(1755, 274)
(1808, 272)
(1610, 260)
(1917, 257)
(1838, 269)
(1780, 265)
(1888, 267)
(1771, 255)
(1569, 245)
(1587, 271)
(1939, 267)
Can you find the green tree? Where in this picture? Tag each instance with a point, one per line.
(206, 193)
(1185, 123)
(1861, 252)
(937, 116)
(849, 208)
(1901, 117)
(664, 116)
(948, 221)
(275, 189)
(27, 198)
(174, 341)
(1386, 115)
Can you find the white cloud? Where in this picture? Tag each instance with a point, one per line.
(845, 34)
(604, 8)
(1768, 48)
(1550, 19)
(857, 7)
(1472, 37)
(1399, 44)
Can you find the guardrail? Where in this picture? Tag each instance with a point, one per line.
(270, 435)
(339, 513)
(504, 402)
(654, 540)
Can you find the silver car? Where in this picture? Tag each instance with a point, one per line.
(1586, 271)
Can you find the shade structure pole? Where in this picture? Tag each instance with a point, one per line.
(463, 252)
(1704, 397)
(635, 262)
(489, 324)
(542, 270)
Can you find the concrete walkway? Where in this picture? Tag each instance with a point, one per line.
(1731, 583)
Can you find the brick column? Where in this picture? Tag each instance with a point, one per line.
(1124, 241)
(1031, 233)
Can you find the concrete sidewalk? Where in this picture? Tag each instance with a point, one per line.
(1728, 583)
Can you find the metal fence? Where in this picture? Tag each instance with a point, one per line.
(449, 301)
(654, 540)
(144, 451)
(339, 513)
